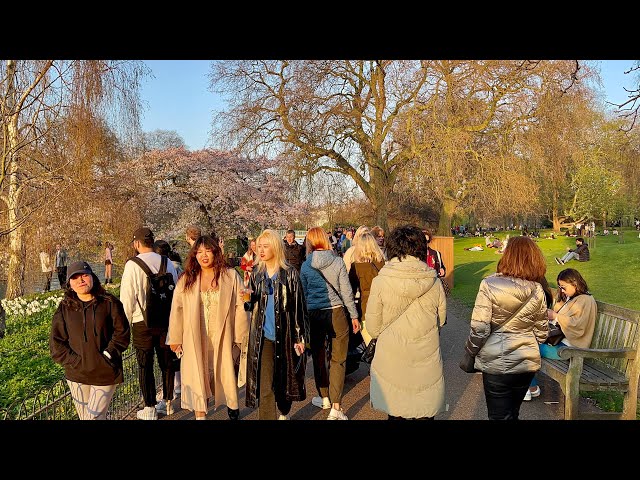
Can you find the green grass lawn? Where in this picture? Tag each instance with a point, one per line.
(612, 273)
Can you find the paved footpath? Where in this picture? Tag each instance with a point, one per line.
(464, 392)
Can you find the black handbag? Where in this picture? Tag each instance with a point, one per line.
(467, 363)
(555, 334)
(369, 352)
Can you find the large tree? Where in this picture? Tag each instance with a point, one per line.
(358, 117)
(54, 106)
(462, 135)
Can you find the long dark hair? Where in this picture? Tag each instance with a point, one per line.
(71, 300)
(192, 268)
(572, 276)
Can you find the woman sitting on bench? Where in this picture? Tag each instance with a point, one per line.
(575, 311)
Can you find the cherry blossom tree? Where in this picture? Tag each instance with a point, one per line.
(222, 191)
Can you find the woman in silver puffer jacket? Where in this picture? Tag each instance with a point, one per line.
(507, 325)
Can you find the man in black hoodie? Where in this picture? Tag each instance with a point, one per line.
(580, 253)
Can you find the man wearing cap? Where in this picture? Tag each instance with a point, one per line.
(133, 296)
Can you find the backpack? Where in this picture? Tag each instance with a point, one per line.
(159, 294)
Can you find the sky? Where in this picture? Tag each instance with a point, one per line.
(179, 99)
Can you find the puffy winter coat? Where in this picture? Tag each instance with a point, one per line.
(320, 295)
(514, 347)
(406, 309)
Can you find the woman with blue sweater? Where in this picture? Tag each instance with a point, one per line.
(327, 290)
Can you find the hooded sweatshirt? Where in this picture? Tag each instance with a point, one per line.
(79, 338)
(320, 295)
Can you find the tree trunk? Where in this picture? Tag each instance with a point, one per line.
(17, 250)
(449, 206)
(381, 196)
(17, 253)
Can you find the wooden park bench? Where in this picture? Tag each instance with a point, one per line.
(611, 363)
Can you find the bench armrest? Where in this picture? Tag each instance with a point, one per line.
(573, 352)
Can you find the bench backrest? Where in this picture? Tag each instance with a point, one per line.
(617, 327)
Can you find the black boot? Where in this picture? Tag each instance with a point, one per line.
(234, 414)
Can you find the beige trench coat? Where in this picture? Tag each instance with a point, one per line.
(185, 329)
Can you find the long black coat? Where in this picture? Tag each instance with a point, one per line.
(292, 326)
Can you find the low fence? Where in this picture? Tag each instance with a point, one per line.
(55, 402)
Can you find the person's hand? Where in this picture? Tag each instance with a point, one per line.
(299, 348)
(568, 249)
(550, 314)
(175, 347)
(442, 272)
(356, 325)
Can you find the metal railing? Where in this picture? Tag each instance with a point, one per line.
(55, 403)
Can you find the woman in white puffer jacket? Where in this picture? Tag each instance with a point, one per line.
(407, 307)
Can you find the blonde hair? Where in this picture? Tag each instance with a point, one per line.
(273, 240)
(367, 249)
(362, 229)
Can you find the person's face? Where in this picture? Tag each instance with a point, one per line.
(380, 238)
(81, 283)
(290, 238)
(204, 256)
(427, 237)
(350, 235)
(265, 252)
(136, 245)
(58, 246)
(568, 289)
(252, 246)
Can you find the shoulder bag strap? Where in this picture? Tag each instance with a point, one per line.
(503, 324)
(330, 284)
(143, 265)
(407, 308)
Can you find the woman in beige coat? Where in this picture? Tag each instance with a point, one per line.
(406, 309)
(208, 324)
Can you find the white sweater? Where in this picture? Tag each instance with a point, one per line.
(133, 285)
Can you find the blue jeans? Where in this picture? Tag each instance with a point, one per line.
(547, 351)
(569, 255)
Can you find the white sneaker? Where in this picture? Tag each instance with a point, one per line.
(321, 402)
(529, 395)
(166, 406)
(147, 413)
(336, 415)
(284, 417)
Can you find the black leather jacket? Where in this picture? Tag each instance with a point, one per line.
(292, 326)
